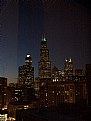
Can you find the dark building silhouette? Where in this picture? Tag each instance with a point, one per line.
(3, 92)
(88, 76)
(44, 114)
(19, 97)
(10, 92)
(80, 82)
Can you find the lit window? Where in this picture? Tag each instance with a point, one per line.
(53, 80)
(52, 91)
(46, 94)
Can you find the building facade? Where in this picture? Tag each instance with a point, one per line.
(80, 83)
(26, 72)
(44, 65)
(3, 92)
(68, 67)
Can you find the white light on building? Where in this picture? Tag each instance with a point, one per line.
(28, 55)
(3, 117)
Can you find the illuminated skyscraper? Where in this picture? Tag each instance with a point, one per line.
(44, 72)
(68, 67)
(26, 73)
(44, 66)
(3, 91)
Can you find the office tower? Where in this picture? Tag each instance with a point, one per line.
(44, 71)
(26, 72)
(3, 92)
(44, 65)
(68, 67)
(69, 88)
(88, 77)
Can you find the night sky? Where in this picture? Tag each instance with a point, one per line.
(66, 24)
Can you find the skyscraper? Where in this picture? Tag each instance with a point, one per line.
(44, 66)
(26, 72)
(68, 67)
(44, 72)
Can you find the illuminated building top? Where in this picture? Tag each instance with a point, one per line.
(43, 37)
(28, 59)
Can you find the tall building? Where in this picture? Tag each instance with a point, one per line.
(26, 72)
(44, 65)
(44, 71)
(3, 92)
(68, 67)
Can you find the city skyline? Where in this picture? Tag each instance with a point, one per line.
(66, 25)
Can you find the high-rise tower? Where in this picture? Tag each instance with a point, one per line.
(44, 66)
(68, 67)
(26, 72)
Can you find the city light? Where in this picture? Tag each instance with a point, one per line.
(28, 55)
(3, 117)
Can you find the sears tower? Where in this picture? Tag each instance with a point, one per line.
(44, 65)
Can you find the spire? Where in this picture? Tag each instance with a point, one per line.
(43, 37)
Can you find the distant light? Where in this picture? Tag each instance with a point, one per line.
(28, 55)
(70, 60)
(26, 107)
(53, 80)
(4, 108)
(52, 91)
(3, 117)
(46, 94)
(66, 60)
(44, 39)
